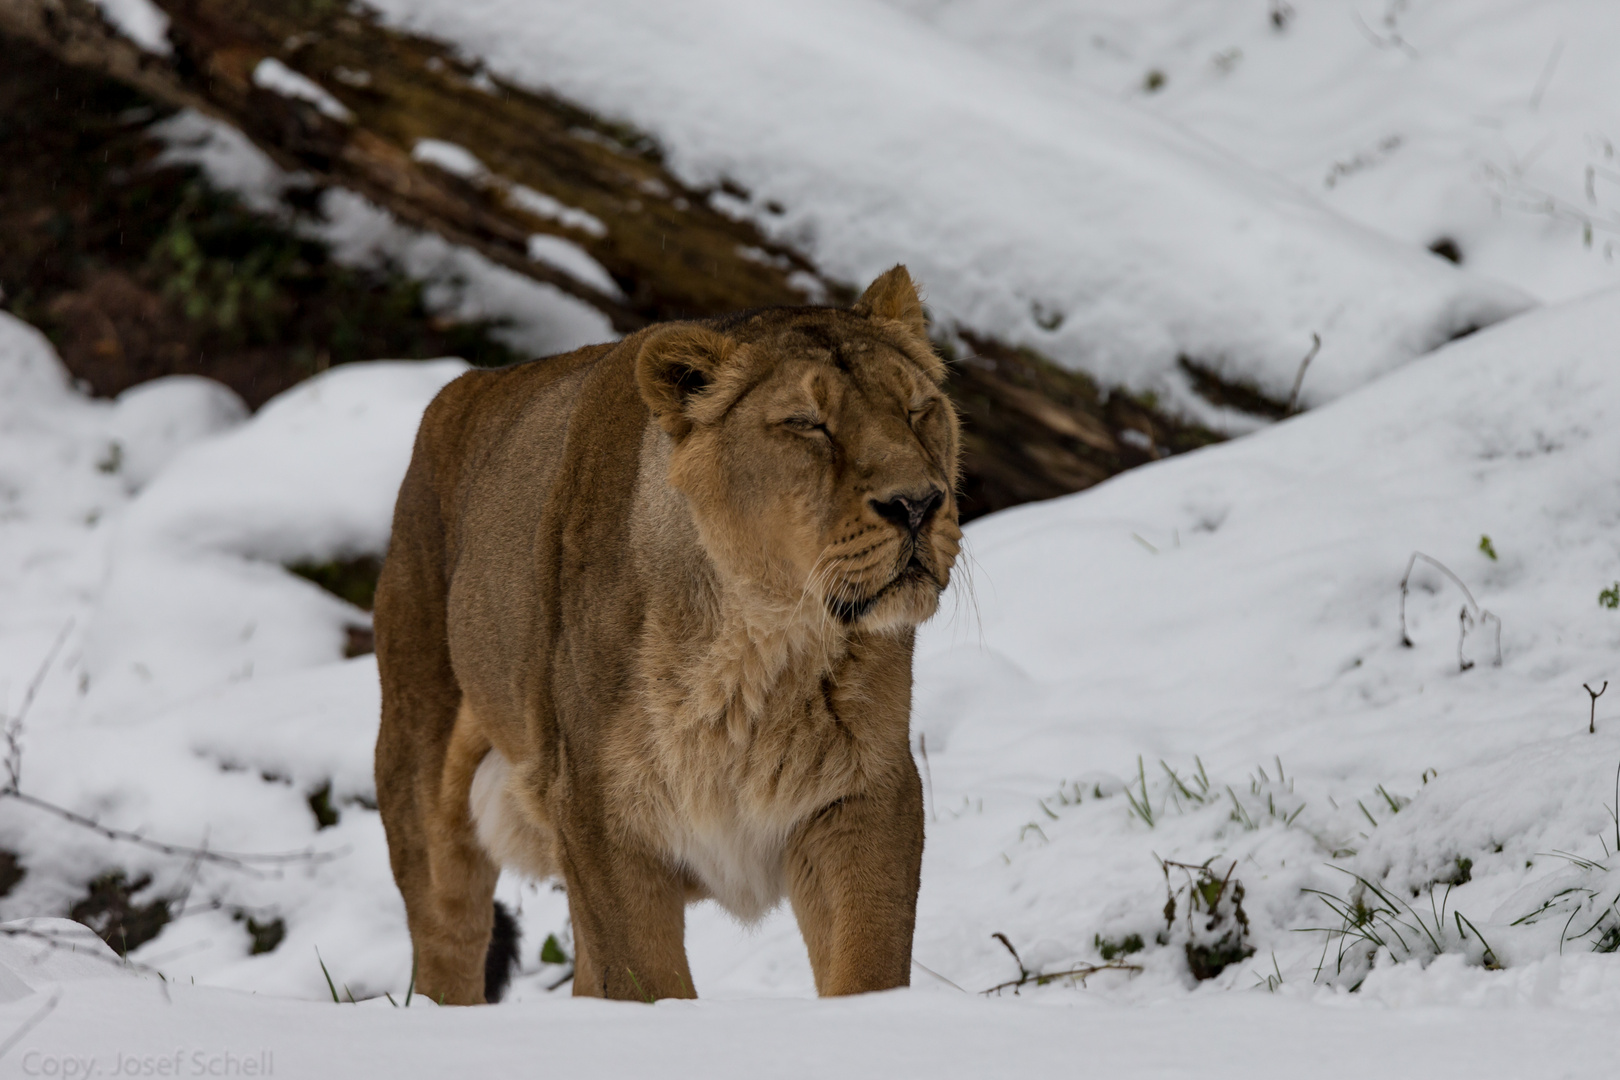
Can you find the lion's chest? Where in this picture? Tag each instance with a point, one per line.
(727, 807)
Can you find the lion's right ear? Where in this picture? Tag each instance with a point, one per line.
(893, 297)
(675, 367)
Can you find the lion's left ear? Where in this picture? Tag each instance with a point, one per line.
(893, 296)
(676, 370)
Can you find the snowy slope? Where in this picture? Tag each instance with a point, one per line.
(1034, 210)
(1489, 122)
(1240, 606)
(1232, 610)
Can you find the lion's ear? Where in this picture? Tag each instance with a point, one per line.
(893, 296)
(677, 363)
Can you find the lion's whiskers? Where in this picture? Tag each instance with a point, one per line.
(809, 583)
(969, 565)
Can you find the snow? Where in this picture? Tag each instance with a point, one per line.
(226, 156)
(1239, 606)
(542, 205)
(198, 672)
(553, 251)
(1196, 664)
(154, 421)
(194, 562)
(142, 21)
(453, 159)
(143, 1026)
(1229, 613)
(573, 260)
(458, 161)
(540, 319)
(1032, 208)
(534, 318)
(1493, 124)
(39, 952)
(271, 74)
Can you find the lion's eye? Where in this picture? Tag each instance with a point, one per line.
(806, 425)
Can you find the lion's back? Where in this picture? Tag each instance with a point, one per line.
(488, 447)
(518, 482)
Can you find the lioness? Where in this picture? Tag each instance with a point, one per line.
(646, 624)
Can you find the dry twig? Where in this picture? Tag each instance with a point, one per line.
(1592, 724)
(1467, 618)
(1025, 976)
(1299, 376)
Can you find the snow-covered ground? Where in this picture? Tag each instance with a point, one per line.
(1489, 122)
(108, 1025)
(1231, 614)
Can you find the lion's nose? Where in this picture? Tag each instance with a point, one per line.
(910, 511)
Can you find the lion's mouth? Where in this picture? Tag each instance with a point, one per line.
(850, 611)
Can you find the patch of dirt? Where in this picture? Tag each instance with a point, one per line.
(354, 580)
(11, 871)
(265, 935)
(111, 910)
(1233, 394)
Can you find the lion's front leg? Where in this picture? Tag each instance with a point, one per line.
(629, 916)
(853, 873)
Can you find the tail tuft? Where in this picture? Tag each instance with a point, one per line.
(502, 958)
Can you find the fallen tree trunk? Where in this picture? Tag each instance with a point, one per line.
(1033, 430)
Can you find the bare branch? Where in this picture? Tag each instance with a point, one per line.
(13, 790)
(1083, 972)
(14, 724)
(244, 861)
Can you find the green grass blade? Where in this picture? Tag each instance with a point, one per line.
(329, 984)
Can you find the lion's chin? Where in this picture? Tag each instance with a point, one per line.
(910, 598)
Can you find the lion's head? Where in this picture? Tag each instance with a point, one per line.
(817, 452)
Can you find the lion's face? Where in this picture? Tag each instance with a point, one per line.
(818, 454)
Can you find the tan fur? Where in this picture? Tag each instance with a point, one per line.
(646, 625)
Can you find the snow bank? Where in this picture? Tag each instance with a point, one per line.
(31, 376)
(156, 420)
(194, 689)
(56, 485)
(1490, 126)
(1032, 209)
(196, 594)
(1236, 611)
(36, 953)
